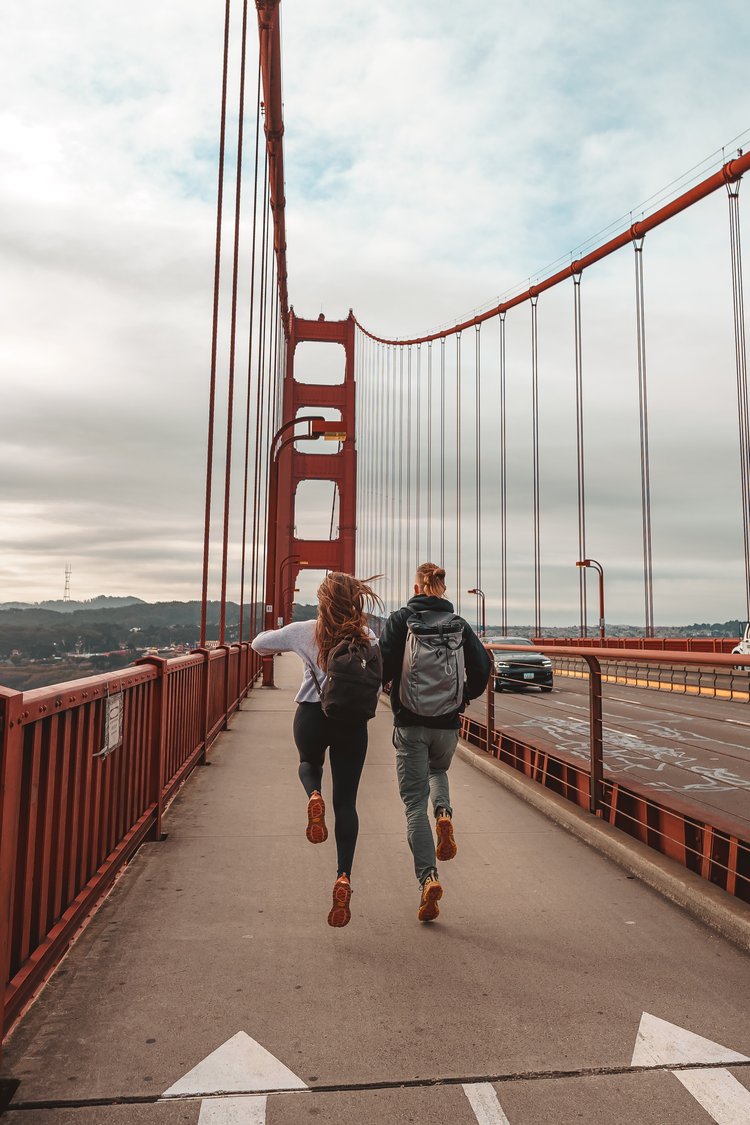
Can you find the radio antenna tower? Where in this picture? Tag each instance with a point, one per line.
(68, 572)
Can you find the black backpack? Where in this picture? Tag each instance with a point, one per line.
(353, 681)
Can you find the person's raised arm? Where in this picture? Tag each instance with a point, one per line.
(285, 639)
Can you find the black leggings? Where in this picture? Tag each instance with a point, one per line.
(313, 732)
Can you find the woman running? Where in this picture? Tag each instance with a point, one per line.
(343, 602)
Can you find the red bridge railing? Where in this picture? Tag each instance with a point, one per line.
(75, 803)
(707, 841)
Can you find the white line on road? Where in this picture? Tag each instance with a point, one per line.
(234, 1111)
(724, 1099)
(719, 1093)
(483, 1100)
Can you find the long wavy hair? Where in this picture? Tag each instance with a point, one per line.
(343, 605)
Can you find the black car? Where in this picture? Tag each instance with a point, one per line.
(524, 668)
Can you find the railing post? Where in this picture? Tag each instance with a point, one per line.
(205, 696)
(158, 747)
(227, 650)
(11, 767)
(596, 788)
(490, 739)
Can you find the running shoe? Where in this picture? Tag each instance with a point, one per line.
(446, 847)
(340, 914)
(316, 832)
(432, 892)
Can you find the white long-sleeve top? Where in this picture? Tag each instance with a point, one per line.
(298, 637)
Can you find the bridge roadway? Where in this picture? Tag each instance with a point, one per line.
(694, 746)
(521, 1004)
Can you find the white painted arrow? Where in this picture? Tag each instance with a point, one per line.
(483, 1100)
(661, 1043)
(239, 1065)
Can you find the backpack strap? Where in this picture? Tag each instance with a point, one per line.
(316, 681)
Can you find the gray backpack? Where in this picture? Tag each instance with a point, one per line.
(432, 675)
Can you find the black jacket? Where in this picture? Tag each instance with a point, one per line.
(393, 644)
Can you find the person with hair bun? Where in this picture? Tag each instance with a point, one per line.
(435, 664)
(343, 605)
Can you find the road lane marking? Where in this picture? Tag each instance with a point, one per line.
(719, 1093)
(240, 1065)
(234, 1111)
(724, 1099)
(483, 1100)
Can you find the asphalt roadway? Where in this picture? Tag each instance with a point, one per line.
(208, 989)
(694, 746)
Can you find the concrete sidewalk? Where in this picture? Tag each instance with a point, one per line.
(526, 994)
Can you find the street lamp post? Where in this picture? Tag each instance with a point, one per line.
(480, 594)
(600, 570)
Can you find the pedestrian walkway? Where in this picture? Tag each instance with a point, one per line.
(210, 989)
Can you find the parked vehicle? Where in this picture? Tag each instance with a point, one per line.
(524, 669)
(743, 648)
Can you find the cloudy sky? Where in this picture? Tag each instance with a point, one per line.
(436, 157)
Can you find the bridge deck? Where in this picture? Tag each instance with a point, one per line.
(543, 961)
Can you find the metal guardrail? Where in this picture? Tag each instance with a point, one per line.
(86, 771)
(712, 681)
(713, 845)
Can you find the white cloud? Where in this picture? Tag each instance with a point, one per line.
(434, 159)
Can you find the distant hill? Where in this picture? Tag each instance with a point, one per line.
(103, 601)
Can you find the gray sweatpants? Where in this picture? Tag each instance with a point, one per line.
(423, 756)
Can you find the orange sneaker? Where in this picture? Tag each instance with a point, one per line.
(316, 832)
(340, 914)
(446, 847)
(432, 892)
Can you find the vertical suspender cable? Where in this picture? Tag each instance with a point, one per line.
(267, 359)
(738, 300)
(503, 490)
(382, 520)
(263, 443)
(478, 461)
(399, 498)
(643, 417)
(233, 331)
(458, 472)
(580, 453)
(418, 510)
(214, 331)
(250, 361)
(388, 500)
(393, 474)
(259, 451)
(442, 451)
(429, 450)
(362, 359)
(407, 556)
(535, 455)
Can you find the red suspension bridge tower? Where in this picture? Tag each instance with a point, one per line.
(295, 466)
